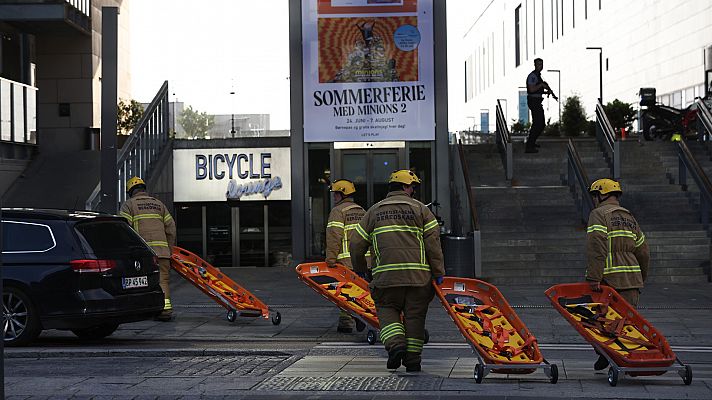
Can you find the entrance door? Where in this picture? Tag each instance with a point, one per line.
(369, 170)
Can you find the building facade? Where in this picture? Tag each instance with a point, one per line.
(650, 43)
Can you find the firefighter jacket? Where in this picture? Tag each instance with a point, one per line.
(405, 240)
(152, 221)
(617, 252)
(343, 219)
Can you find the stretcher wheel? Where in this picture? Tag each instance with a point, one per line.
(371, 337)
(688, 375)
(612, 376)
(479, 373)
(231, 315)
(276, 318)
(553, 374)
(426, 339)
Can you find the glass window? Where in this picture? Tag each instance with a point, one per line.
(689, 96)
(420, 164)
(189, 226)
(280, 233)
(252, 234)
(355, 167)
(219, 234)
(106, 238)
(517, 50)
(25, 237)
(665, 100)
(319, 178)
(677, 99)
(383, 165)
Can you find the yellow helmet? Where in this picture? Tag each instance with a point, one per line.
(133, 182)
(605, 186)
(343, 186)
(404, 176)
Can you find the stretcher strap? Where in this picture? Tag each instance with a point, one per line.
(357, 300)
(499, 336)
(612, 328)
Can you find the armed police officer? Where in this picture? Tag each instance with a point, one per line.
(536, 89)
(343, 219)
(617, 253)
(407, 256)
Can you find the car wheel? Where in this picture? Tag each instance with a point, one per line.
(21, 320)
(95, 332)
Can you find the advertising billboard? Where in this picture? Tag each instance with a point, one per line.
(368, 70)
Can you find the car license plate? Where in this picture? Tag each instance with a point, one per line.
(134, 282)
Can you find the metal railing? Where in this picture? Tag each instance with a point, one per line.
(705, 116)
(143, 148)
(577, 179)
(473, 210)
(607, 140)
(18, 112)
(504, 142)
(84, 6)
(688, 163)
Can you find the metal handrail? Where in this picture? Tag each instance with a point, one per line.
(473, 210)
(689, 163)
(577, 174)
(143, 147)
(504, 142)
(608, 142)
(704, 114)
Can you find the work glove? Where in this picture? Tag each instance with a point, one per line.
(439, 280)
(595, 286)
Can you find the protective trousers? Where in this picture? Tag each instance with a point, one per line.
(632, 296)
(164, 279)
(401, 312)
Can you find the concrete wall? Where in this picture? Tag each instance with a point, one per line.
(9, 171)
(69, 72)
(650, 43)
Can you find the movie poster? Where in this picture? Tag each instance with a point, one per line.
(368, 70)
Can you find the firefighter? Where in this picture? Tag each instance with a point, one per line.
(150, 218)
(342, 221)
(617, 253)
(405, 239)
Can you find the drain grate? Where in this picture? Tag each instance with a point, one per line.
(351, 383)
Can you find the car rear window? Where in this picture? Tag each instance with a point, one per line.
(109, 237)
(26, 237)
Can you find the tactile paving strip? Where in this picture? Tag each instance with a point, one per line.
(348, 383)
(213, 366)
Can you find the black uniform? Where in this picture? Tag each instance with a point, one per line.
(534, 101)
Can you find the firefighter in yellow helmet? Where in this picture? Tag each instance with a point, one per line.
(407, 256)
(150, 218)
(617, 253)
(339, 228)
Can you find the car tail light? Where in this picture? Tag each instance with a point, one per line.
(92, 265)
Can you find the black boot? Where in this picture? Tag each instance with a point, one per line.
(395, 356)
(601, 363)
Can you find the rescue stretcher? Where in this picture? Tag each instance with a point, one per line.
(501, 341)
(237, 300)
(346, 290)
(617, 331)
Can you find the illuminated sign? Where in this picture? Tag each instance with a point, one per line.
(237, 174)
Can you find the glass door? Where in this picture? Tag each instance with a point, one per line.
(369, 170)
(219, 235)
(252, 234)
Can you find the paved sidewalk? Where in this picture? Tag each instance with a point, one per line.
(202, 355)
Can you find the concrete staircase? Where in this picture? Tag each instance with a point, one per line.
(669, 216)
(531, 230)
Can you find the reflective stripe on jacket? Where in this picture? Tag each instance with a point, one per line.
(150, 218)
(616, 248)
(343, 219)
(405, 239)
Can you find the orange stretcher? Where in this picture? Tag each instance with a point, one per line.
(346, 290)
(501, 341)
(617, 331)
(223, 290)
